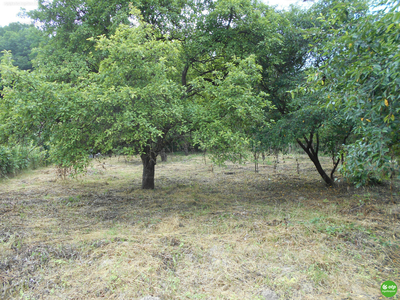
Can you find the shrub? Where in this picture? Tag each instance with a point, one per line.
(18, 158)
(7, 165)
(365, 164)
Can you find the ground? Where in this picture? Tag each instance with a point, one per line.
(205, 232)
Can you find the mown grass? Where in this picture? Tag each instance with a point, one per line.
(226, 234)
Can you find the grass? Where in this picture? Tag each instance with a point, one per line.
(226, 234)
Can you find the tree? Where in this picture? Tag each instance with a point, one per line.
(71, 25)
(362, 83)
(20, 39)
(141, 91)
(299, 117)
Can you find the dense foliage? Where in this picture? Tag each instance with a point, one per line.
(300, 119)
(20, 39)
(135, 77)
(17, 158)
(362, 84)
(148, 83)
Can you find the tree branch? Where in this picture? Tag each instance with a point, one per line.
(184, 74)
(230, 19)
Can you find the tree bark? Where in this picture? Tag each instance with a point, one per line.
(186, 148)
(313, 155)
(149, 162)
(163, 155)
(184, 74)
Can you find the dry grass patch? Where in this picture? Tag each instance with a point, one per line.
(226, 234)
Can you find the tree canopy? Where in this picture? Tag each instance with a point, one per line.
(361, 81)
(300, 119)
(20, 39)
(147, 84)
(235, 74)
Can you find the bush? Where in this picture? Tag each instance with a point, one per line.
(7, 165)
(365, 164)
(18, 158)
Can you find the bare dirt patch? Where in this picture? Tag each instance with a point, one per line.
(226, 234)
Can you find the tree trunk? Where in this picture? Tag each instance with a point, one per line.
(256, 156)
(319, 168)
(313, 155)
(163, 155)
(149, 162)
(186, 148)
